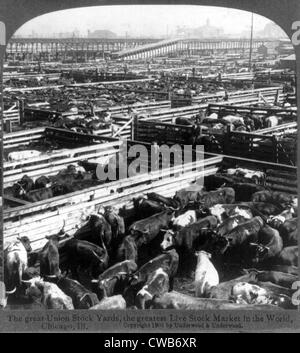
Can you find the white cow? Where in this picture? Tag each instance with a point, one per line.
(223, 211)
(115, 302)
(52, 296)
(16, 261)
(271, 121)
(246, 293)
(213, 116)
(246, 173)
(18, 156)
(206, 276)
(185, 219)
(233, 119)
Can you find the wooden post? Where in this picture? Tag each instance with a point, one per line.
(21, 110)
(134, 130)
(8, 126)
(275, 149)
(226, 140)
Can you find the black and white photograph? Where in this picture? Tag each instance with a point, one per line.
(149, 161)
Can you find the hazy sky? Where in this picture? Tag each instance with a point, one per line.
(141, 20)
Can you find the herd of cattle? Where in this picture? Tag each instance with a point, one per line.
(233, 240)
(222, 120)
(74, 177)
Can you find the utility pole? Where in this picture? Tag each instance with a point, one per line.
(251, 42)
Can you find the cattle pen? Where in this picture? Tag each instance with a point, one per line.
(135, 164)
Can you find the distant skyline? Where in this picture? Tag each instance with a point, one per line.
(142, 20)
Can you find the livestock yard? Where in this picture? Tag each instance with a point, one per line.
(98, 226)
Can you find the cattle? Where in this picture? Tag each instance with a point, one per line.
(95, 230)
(289, 233)
(215, 181)
(293, 270)
(278, 295)
(184, 219)
(271, 121)
(187, 237)
(233, 119)
(244, 191)
(246, 293)
(127, 250)
(113, 280)
(206, 276)
(146, 208)
(255, 175)
(180, 301)
(82, 298)
(156, 285)
(42, 182)
(169, 202)
(116, 222)
(264, 209)
(147, 229)
(278, 220)
(15, 263)
(268, 245)
(52, 296)
(229, 224)
(224, 289)
(116, 302)
(277, 198)
(288, 256)
(38, 195)
(19, 156)
(88, 166)
(85, 255)
(26, 183)
(223, 211)
(188, 195)
(49, 257)
(168, 261)
(222, 195)
(280, 278)
(183, 121)
(241, 236)
(125, 267)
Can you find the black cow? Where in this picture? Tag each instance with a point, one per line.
(280, 278)
(113, 280)
(42, 182)
(85, 255)
(96, 229)
(211, 198)
(26, 183)
(127, 250)
(146, 208)
(82, 298)
(289, 233)
(244, 191)
(269, 244)
(147, 229)
(49, 257)
(168, 201)
(38, 195)
(288, 256)
(277, 198)
(116, 222)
